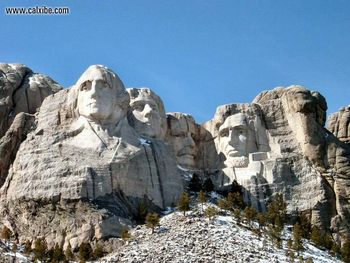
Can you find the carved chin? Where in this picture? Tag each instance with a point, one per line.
(237, 162)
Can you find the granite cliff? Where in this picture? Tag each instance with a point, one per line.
(95, 154)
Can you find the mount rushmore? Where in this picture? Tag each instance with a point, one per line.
(78, 164)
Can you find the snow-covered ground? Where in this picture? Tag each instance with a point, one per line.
(194, 239)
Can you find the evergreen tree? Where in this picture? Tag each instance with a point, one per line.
(195, 184)
(208, 185)
(235, 187)
(223, 204)
(85, 252)
(125, 234)
(27, 247)
(202, 198)
(14, 250)
(57, 255)
(305, 225)
(40, 249)
(211, 212)
(316, 236)
(6, 234)
(184, 203)
(142, 212)
(297, 241)
(276, 212)
(237, 215)
(98, 251)
(261, 220)
(345, 251)
(250, 214)
(152, 220)
(274, 233)
(335, 249)
(237, 200)
(68, 253)
(309, 260)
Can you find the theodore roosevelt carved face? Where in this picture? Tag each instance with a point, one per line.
(182, 136)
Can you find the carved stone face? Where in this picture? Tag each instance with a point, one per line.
(99, 95)
(182, 134)
(232, 139)
(148, 115)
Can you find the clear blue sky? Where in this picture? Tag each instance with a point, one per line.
(195, 54)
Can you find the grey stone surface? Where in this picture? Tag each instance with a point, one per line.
(21, 90)
(339, 124)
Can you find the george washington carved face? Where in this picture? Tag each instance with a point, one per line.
(101, 97)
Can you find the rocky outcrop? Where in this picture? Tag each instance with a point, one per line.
(11, 141)
(295, 119)
(83, 149)
(98, 153)
(339, 124)
(21, 90)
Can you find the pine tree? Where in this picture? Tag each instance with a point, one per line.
(195, 184)
(152, 220)
(345, 251)
(142, 212)
(305, 225)
(297, 241)
(68, 253)
(14, 250)
(335, 249)
(57, 255)
(237, 200)
(223, 204)
(184, 203)
(208, 185)
(276, 212)
(40, 249)
(85, 252)
(261, 220)
(6, 234)
(316, 236)
(237, 215)
(98, 251)
(202, 198)
(27, 247)
(125, 234)
(250, 214)
(211, 212)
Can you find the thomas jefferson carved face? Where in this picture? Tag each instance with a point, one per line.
(101, 95)
(182, 134)
(232, 139)
(148, 115)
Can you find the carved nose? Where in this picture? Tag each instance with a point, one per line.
(233, 137)
(190, 141)
(93, 90)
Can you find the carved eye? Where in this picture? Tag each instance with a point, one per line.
(104, 84)
(138, 107)
(85, 85)
(224, 133)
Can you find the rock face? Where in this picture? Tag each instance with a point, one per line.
(98, 154)
(83, 148)
(21, 90)
(339, 124)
